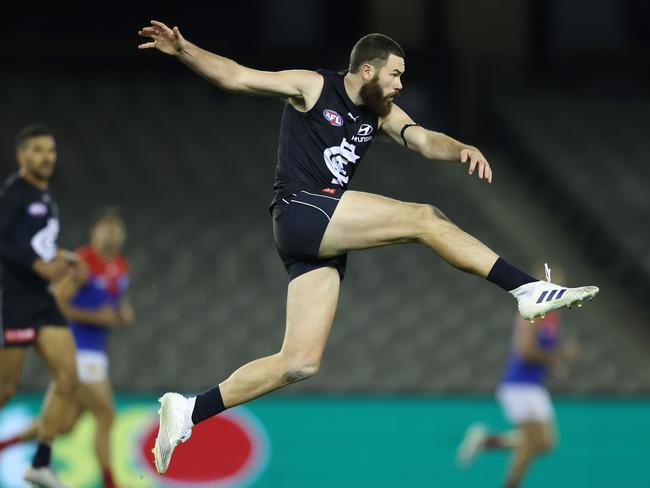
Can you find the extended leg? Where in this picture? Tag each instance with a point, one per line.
(535, 438)
(311, 305)
(98, 398)
(11, 367)
(363, 220)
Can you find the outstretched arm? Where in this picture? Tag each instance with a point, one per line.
(301, 87)
(433, 145)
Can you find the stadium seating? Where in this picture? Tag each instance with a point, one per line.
(595, 150)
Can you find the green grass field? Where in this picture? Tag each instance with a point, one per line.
(374, 441)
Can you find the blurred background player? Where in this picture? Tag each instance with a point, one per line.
(31, 262)
(526, 403)
(93, 300)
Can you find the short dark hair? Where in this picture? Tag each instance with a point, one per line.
(107, 213)
(32, 130)
(373, 49)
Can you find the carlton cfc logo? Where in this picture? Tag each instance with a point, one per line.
(333, 117)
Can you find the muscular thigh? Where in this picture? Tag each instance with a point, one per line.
(311, 305)
(11, 365)
(364, 220)
(538, 433)
(56, 346)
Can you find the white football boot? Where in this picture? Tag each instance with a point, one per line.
(536, 298)
(43, 477)
(175, 427)
(472, 444)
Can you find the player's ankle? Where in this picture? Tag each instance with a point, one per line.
(206, 405)
(507, 276)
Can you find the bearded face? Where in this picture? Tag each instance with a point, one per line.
(379, 93)
(37, 157)
(373, 96)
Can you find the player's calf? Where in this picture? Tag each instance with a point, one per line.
(544, 444)
(461, 250)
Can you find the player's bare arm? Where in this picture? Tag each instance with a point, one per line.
(53, 270)
(126, 311)
(64, 291)
(300, 87)
(433, 145)
(103, 317)
(106, 316)
(526, 345)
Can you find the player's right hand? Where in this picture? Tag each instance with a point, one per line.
(52, 270)
(108, 316)
(169, 41)
(126, 314)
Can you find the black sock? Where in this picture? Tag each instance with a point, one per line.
(207, 404)
(42, 456)
(508, 277)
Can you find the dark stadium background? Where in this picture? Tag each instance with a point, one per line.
(556, 94)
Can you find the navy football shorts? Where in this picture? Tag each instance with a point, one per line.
(299, 223)
(24, 313)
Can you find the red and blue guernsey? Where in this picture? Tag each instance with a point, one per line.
(106, 285)
(519, 370)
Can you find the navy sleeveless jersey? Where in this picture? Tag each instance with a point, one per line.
(322, 148)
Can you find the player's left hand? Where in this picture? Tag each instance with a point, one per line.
(476, 160)
(126, 314)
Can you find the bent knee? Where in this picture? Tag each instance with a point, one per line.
(545, 445)
(299, 371)
(105, 415)
(66, 427)
(433, 213)
(428, 215)
(66, 382)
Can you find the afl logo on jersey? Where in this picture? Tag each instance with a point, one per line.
(332, 117)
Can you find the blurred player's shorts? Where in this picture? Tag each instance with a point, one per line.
(523, 402)
(92, 366)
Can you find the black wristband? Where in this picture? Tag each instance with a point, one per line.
(406, 126)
